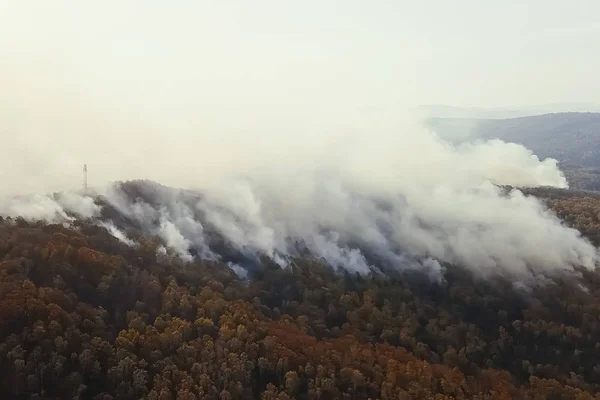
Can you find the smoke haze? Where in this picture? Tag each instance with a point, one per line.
(278, 153)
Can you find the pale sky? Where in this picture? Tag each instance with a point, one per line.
(117, 83)
(324, 54)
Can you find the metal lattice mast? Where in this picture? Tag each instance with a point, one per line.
(85, 180)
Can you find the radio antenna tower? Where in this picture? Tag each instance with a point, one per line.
(85, 182)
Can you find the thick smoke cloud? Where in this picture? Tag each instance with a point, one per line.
(352, 222)
(277, 170)
(379, 195)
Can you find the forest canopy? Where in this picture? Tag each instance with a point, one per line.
(84, 315)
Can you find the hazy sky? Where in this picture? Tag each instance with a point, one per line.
(332, 55)
(119, 83)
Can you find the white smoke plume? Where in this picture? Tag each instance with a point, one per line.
(117, 233)
(279, 162)
(64, 206)
(352, 222)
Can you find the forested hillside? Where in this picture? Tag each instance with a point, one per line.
(83, 315)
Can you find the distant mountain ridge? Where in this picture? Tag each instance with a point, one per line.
(446, 111)
(572, 138)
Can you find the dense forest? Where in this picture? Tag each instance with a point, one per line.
(84, 316)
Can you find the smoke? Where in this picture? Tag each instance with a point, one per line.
(117, 233)
(280, 164)
(373, 203)
(64, 206)
(354, 221)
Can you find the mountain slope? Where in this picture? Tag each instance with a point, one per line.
(357, 232)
